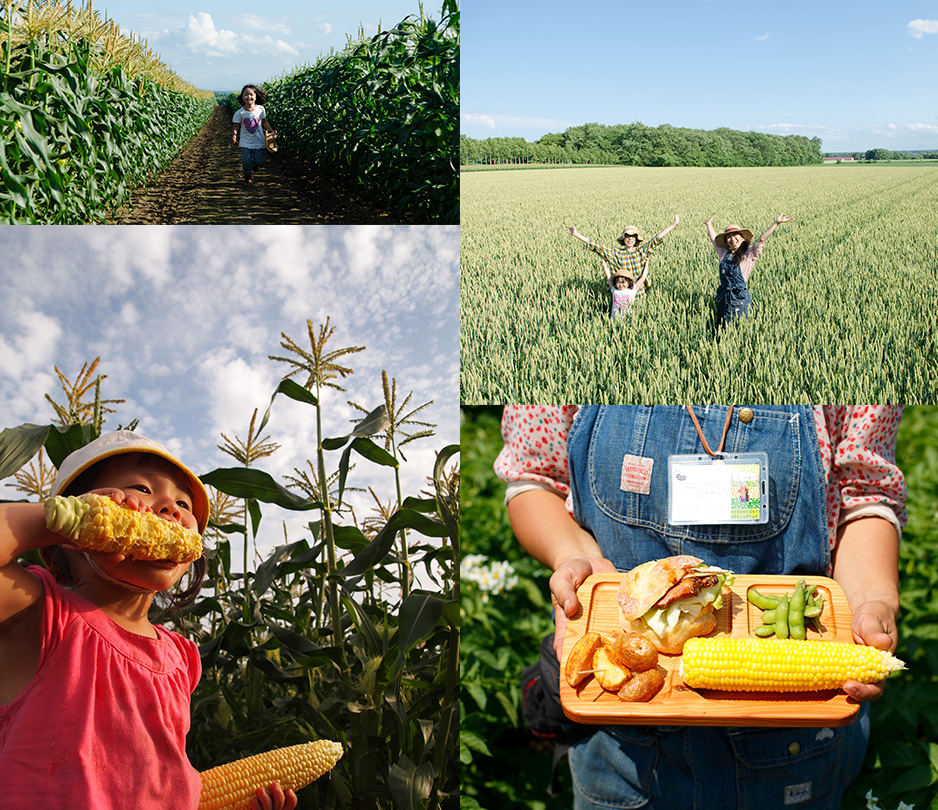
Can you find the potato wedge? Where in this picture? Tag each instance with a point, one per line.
(642, 686)
(580, 661)
(610, 675)
(635, 652)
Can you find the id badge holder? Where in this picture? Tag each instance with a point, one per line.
(731, 488)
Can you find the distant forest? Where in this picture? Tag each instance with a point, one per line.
(639, 145)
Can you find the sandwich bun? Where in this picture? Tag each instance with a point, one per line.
(670, 600)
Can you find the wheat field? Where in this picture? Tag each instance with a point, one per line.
(845, 297)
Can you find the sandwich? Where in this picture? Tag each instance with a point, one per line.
(671, 600)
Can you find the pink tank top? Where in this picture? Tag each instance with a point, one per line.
(102, 725)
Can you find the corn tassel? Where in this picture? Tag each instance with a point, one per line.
(233, 785)
(790, 665)
(97, 523)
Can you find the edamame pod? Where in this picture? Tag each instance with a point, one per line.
(760, 600)
(796, 613)
(781, 618)
(768, 617)
(765, 630)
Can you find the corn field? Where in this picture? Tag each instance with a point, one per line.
(844, 297)
(83, 113)
(382, 114)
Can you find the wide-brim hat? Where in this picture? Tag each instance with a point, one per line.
(126, 441)
(629, 230)
(622, 274)
(745, 233)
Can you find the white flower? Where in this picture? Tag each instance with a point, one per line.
(872, 803)
(492, 578)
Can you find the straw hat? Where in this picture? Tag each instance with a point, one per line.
(745, 233)
(630, 230)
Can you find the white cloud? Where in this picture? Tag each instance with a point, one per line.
(919, 27)
(203, 38)
(761, 38)
(892, 130)
(32, 346)
(808, 130)
(267, 45)
(477, 118)
(326, 28)
(255, 23)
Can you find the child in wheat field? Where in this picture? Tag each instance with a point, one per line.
(626, 260)
(250, 122)
(624, 288)
(94, 699)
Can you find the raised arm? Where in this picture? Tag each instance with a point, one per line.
(640, 281)
(22, 529)
(670, 227)
(573, 232)
(607, 271)
(778, 221)
(711, 231)
(549, 533)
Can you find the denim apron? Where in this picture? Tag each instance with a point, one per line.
(701, 766)
(733, 299)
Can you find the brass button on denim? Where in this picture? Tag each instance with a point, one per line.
(746, 415)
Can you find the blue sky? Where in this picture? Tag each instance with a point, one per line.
(184, 318)
(217, 45)
(859, 75)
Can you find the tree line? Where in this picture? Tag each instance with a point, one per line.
(886, 154)
(639, 145)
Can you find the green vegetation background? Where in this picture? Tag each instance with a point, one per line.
(502, 764)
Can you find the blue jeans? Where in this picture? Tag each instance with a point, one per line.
(252, 160)
(703, 767)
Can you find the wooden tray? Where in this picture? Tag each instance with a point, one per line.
(677, 704)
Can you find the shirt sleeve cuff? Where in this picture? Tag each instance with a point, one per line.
(517, 487)
(871, 510)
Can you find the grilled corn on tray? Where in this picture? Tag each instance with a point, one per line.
(677, 704)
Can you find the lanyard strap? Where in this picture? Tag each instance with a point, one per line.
(726, 428)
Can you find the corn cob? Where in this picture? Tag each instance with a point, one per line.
(97, 523)
(233, 785)
(790, 665)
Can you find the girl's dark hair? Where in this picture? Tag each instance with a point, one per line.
(738, 253)
(259, 95)
(164, 602)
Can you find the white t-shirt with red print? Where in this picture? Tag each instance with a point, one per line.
(252, 130)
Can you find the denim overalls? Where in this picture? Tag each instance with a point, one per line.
(733, 299)
(699, 766)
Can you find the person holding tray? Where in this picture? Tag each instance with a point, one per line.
(588, 494)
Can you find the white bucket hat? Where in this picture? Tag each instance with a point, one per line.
(126, 441)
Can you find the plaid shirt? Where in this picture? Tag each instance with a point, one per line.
(624, 261)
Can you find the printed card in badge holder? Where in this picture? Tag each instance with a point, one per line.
(714, 490)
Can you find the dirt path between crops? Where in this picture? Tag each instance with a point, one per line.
(204, 185)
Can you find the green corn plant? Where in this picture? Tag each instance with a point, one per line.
(81, 112)
(383, 115)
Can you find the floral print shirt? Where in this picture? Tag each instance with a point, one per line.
(857, 443)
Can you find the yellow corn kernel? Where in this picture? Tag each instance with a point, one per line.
(233, 785)
(97, 523)
(782, 665)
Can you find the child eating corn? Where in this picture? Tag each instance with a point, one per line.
(94, 699)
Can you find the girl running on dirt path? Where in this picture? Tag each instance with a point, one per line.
(251, 121)
(736, 259)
